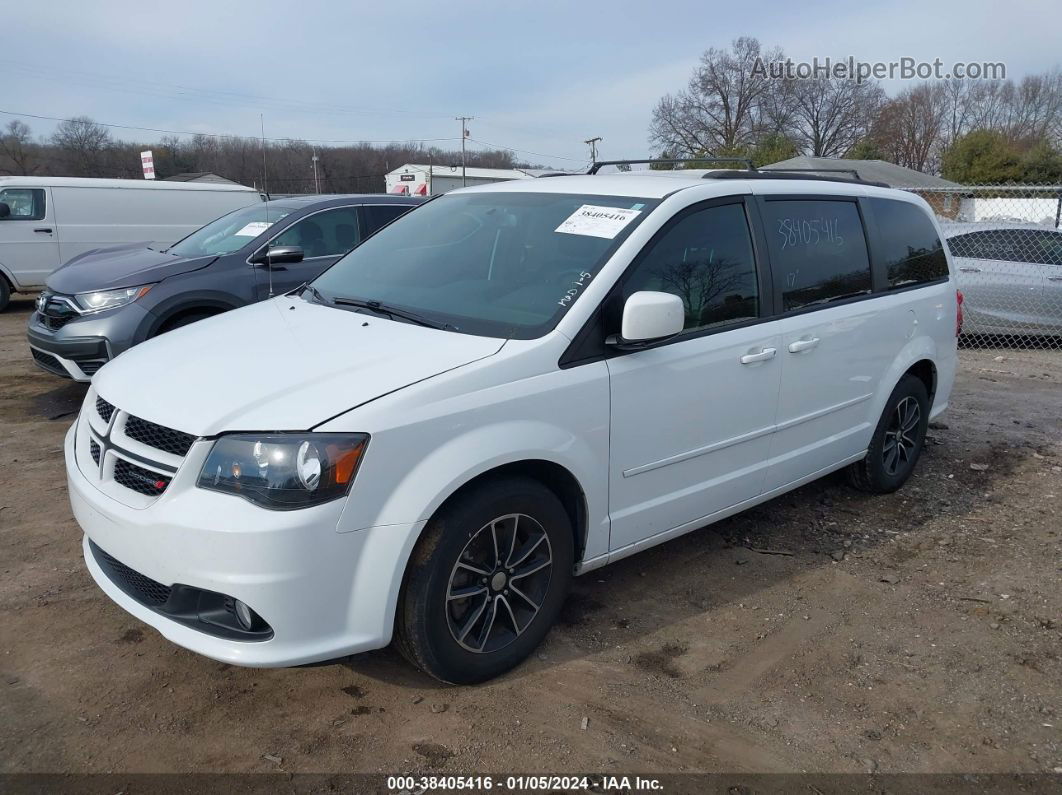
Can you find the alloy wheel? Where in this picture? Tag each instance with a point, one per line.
(499, 583)
(900, 437)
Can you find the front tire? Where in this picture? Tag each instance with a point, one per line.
(897, 442)
(485, 581)
(5, 293)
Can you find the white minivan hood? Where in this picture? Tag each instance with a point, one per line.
(280, 365)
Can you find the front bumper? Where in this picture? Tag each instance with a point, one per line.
(323, 593)
(82, 346)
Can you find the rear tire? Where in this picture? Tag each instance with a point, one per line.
(897, 442)
(486, 581)
(5, 293)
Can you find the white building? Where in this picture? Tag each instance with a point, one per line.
(417, 179)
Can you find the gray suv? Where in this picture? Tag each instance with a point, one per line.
(106, 301)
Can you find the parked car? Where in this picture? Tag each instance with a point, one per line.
(510, 385)
(45, 221)
(104, 302)
(1010, 275)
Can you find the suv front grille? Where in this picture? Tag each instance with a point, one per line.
(94, 451)
(140, 480)
(165, 439)
(104, 409)
(140, 587)
(54, 323)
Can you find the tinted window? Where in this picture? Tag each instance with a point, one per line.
(25, 204)
(706, 260)
(496, 264)
(324, 234)
(1042, 247)
(377, 215)
(818, 251)
(910, 247)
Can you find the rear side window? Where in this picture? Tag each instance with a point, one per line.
(377, 215)
(818, 251)
(24, 204)
(1042, 247)
(911, 250)
(705, 259)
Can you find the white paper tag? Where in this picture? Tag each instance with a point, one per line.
(254, 229)
(596, 221)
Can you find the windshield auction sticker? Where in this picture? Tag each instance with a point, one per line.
(596, 221)
(253, 229)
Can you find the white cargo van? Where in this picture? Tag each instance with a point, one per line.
(45, 221)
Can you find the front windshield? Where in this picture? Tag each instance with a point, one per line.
(492, 264)
(230, 232)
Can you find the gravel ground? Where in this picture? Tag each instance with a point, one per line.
(826, 631)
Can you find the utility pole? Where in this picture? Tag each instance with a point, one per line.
(592, 143)
(316, 184)
(464, 135)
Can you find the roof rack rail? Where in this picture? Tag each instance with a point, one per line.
(743, 160)
(846, 175)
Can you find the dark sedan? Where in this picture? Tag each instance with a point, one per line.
(106, 301)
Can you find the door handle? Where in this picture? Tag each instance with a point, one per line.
(803, 345)
(44, 229)
(968, 269)
(761, 356)
(1054, 278)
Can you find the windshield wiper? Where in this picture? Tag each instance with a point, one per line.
(392, 312)
(314, 292)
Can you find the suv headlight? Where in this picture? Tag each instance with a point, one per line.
(108, 299)
(284, 471)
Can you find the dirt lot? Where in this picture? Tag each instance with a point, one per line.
(915, 632)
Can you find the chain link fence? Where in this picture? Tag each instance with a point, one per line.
(1006, 243)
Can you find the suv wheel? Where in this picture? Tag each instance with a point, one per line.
(897, 442)
(5, 293)
(485, 581)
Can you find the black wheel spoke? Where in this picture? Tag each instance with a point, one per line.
(472, 621)
(466, 592)
(488, 624)
(531, 568)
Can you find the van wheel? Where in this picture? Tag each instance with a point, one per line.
(5, 293)
(897, 442)
(485, 581)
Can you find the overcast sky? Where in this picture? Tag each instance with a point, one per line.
(538, 77)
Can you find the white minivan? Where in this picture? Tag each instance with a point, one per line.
(46, 221)
(508, 386)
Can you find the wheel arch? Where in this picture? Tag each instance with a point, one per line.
(170, 311)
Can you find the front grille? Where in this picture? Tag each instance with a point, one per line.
(94, 451)
(48, 362)
(104, 409)
(165, 439)
(143, 481)
(54, 323)
(140, 587)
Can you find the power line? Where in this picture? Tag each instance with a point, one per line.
(175, 91)
(230, 135)
(528, 152)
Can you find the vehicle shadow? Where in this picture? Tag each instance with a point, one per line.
(730, 562)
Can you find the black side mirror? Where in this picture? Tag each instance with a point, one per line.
(5, 209)
(278, 255)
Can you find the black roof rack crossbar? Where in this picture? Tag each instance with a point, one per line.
(794, 173)
(743, 160)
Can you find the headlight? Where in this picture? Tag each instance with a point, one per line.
(283, 471)
(108, 299)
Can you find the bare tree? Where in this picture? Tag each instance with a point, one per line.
(910, 128)
(829, 116)
(719, 111)
(84, 144)
(16, 144)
